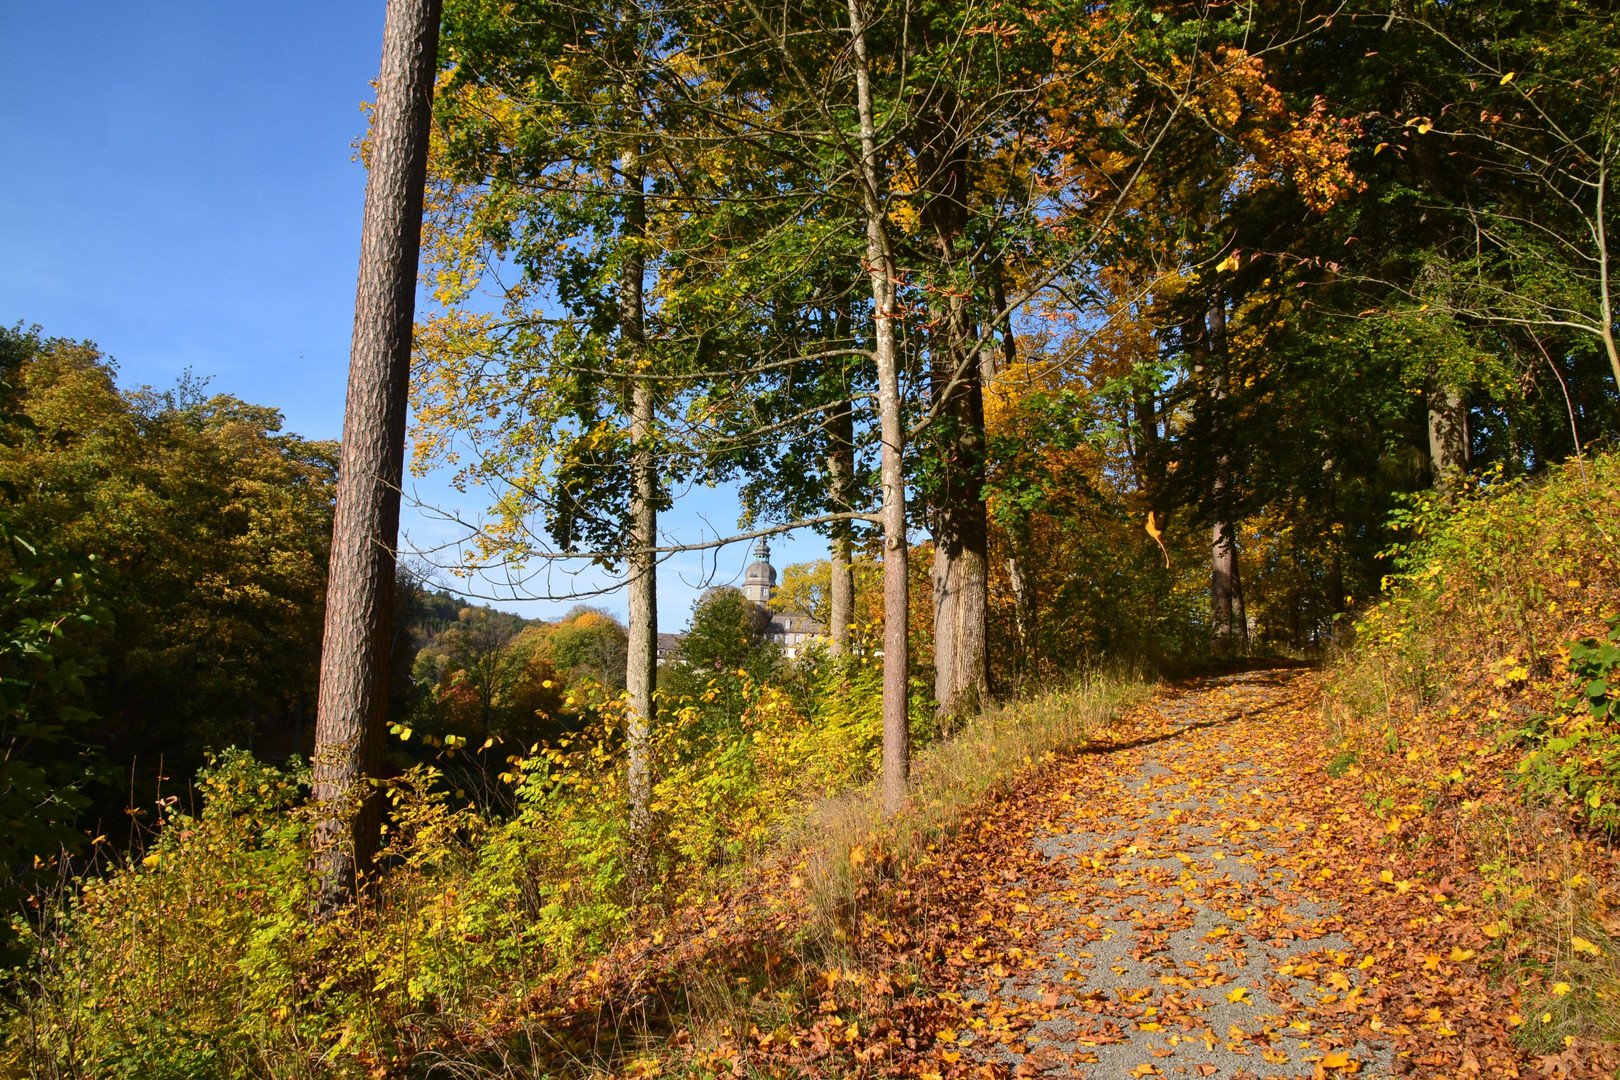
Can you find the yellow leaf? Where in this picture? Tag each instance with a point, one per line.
(1507, 78)
(857, 855)
(1561, 988)
(1276, 1057)
(1431, 962)
(1424, 128)
(1379, 149)
(1145, 1069)
(1237, 995)
(1231, 262)
(1582, 945)
(1336, 1060)
(1459, 955)
(1387, 876)
(1154, 531)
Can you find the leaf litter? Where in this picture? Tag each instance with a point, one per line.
(1214, 904)
(1192, 895)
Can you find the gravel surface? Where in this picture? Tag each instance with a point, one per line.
(1180, 941)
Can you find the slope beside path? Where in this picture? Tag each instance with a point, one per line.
(1203, 900)
(1190, 894)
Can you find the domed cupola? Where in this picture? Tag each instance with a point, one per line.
(759, 581)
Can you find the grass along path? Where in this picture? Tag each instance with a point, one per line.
(1206, 901)
(1184, 891)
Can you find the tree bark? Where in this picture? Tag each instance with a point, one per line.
(961, 570)
(353, 697)
(641, 673)
(1228, 620)
(961, 563)
(1023, 606)
(1448, 438)
(891, 426)
(841, 474)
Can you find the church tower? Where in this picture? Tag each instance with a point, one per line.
(760, 579)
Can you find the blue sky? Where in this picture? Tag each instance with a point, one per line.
(177, 184)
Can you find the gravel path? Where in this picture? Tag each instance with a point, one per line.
(1181, 938)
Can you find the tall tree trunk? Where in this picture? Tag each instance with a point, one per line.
(641, 673)
(1335, 576)
(891, 429)
(961, 558)
(1228, 620)
(1448, 438)
(841, 474)
(353, 697)
(1225, 603)
(1024, 609)
(961, 570)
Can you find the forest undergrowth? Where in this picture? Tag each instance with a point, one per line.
(516, 945)
(1475, 707)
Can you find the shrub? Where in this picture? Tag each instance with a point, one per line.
(196, 958)
(1575, 751)
(1476, 704)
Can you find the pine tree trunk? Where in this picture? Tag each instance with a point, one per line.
(641, 673)
(357, 639)
(1448, 438)
(896, 777)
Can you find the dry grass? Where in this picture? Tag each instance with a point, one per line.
(845, 839)
(795, 915)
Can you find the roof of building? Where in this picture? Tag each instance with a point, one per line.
(760, 571)
(793, 622)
